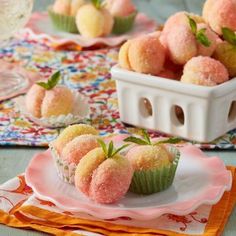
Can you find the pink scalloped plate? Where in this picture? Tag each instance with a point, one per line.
(40, 27)
(199, 180)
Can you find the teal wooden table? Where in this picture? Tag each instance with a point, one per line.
(13, 160)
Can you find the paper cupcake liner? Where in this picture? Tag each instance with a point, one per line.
(63, 22)
(79, 113)
(65, 170)
(153, 181)
(123, 24)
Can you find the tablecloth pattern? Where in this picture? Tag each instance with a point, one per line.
(85, 71)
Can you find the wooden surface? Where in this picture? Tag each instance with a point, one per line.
(14, 160)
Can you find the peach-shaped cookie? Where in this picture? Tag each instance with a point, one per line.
(75, 6)
(103, 175)
(146, 157)
(62, 7)
(146, 55)
(186, 41)
(211, 36)
(179, 18)
(70, 133)
(34, 100)
(47, 99)
(219, 14)
(57, 101)
(94, 21)
(120, 8)
(226, 51)
(204, 71)
(123, 55)
(154, 164)
(181, 44)
(79, 147)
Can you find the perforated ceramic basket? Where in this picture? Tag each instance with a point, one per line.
(150, 102)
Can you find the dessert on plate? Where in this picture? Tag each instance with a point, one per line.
(52, 105)
(124, 13)
(63, 12)
(154, 164)
(45, 99)
(71, 145)
(93, 18)
(103, 174)
(226, 51)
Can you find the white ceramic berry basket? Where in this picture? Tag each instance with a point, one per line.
(150, 102)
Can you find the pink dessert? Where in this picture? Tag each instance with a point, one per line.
(123, 55)
(69, 148)
(120, 8)
(70, 133)
(204, 71)
(220, 13)
(146, 157)
(146, 55)
(179, 18)
(79, 147)
(46, 99)
(181, 44)
(212, 37)
(103, 177)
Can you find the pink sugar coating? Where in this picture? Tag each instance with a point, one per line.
(123, 55)
(34, 99)
(62, 7)
(120, 8)
(57, 101)
(179, 18)
(181, 44)
(204, 71)
(111, 180)
(71, 132)
(86, 167)
(79, 147)
(147, 55)
(146, 157)
(212, 37)
(220, 13)
(103, 180)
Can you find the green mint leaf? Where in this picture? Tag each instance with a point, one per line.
(97, 3)
(103, 146)
(119, 149)
(202, 38)
(229, 35)
(172, 140)
(44, 85)
(146, 136)
(110, 149)
(192, 24)
(136, 140)
(52, 81)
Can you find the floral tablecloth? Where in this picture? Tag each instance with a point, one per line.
(86, 71)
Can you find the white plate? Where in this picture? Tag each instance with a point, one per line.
(40, 27)
(199, 180)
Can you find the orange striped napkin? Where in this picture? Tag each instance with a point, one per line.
(20, 208)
